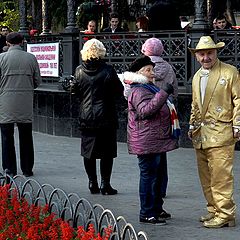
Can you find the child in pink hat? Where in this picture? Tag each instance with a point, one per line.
(164, 74)
(152, 47)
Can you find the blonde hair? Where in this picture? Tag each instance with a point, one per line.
(93, 48)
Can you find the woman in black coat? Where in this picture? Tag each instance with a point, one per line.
(98, 88)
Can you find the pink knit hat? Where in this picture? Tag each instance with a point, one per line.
(152, 47)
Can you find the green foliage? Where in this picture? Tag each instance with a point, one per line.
(11, 19)
(9, 14)
(58, 12)
(88, 10)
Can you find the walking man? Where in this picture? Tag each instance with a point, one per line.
(19, 75)
(214, 130)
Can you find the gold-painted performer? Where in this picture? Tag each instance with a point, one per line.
(214, 129)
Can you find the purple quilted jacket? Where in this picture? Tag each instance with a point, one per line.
(149, 125)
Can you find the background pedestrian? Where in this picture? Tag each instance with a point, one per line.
(19, 75)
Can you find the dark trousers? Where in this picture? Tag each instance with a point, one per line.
(9, 163)
(163, 163)
(106, 164)
(150, 185)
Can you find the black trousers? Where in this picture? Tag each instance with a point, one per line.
(9, 163)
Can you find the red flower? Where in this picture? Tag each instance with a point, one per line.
(21, 221)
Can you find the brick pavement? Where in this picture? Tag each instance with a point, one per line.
(58, 162)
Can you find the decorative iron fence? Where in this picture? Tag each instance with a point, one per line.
(231, 52)
(71, 208)
(123, 48)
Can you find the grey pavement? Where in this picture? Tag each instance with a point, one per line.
(58, 162)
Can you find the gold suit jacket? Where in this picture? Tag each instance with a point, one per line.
(213, 120)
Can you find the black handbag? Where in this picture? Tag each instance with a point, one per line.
(69, 83)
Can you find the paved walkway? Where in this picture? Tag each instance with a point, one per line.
(58, 162)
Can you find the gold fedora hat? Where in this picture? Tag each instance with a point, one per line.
(206, 42)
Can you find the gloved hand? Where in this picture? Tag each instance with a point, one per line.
(168, 88)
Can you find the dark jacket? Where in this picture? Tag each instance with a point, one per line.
(98, 87)
(2, 42)
(118, 29)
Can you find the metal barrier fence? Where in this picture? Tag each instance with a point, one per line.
(71, 208)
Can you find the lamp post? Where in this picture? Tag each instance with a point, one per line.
(23, 28)
(71, 17)
(200, 22)
(45, 18)
(200, 27)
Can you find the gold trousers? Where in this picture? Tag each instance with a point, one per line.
(215, 168)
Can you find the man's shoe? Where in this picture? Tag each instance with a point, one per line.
(207, 217)
(218, 222)
(28, 174)
(164, 215)
(152, 220)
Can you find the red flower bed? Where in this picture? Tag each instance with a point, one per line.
(21, 221)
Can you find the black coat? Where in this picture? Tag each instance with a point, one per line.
(118, 29)
(2, 42)
(98, 88)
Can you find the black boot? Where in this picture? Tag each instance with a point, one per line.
(90, 167)
(106, 188)
(93, 187)
(106, 171)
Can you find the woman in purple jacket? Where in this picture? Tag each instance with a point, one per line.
(164, 73)
(149, 134)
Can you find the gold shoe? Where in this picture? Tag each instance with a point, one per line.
(207, 217)
(218, 222)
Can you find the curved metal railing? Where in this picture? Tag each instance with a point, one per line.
(71, 208)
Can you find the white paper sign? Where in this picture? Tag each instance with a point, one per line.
(47, 55)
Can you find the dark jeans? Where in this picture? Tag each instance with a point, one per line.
(25, 144)
(163, 163)
(150, 185)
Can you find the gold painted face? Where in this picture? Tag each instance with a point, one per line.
(206, 58)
